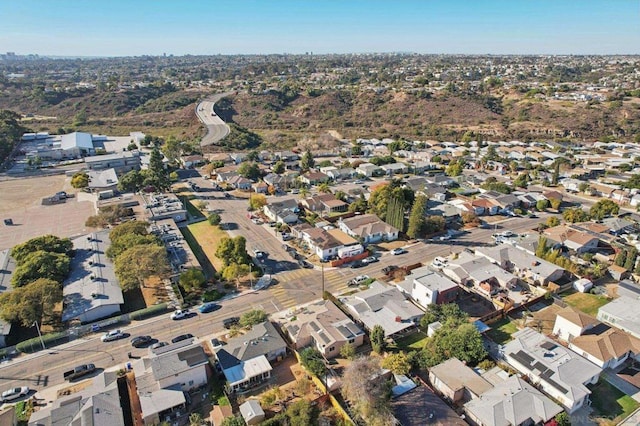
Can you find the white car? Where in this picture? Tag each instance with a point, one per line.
(357, 280)
(439, 262)
(257, 221)
(397, 251)
(15, 393)
(370, 259)
(180, 314)
(112, 335)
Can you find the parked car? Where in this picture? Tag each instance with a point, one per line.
(140, 341)
(357, 264)
(180, 314)
(257, 221)
(112, 335)
(182, 337)
(207, 307)
(389, 269)
(358, 280)
(398, 251)
(158, 345)
(230, 322)
(215, 343)
(286, 237)
(15, 393)
(370, 259)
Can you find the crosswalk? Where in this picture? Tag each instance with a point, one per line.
(302, 285)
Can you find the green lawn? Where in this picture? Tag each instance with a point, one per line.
(502, 330)
(610, 404)
(412, 342)
(203, 239)
(585, 302)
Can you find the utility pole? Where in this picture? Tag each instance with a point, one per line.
(322, 268)
(39, 335)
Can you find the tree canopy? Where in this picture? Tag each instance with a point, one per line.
(312, 360)
(307, 162)
(49, 243)
(253, 317)
(41, 264)
(367, 392)
(138, 263)
(80, 180)
(249, 170)
(192, 279)
(31, 303)
(603, 208)
(233, 250)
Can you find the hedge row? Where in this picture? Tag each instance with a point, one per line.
(148, 312)
(34, 344)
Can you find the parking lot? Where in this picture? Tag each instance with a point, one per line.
(21, 202)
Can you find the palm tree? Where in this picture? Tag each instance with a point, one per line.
(324, 188)
(304, 192)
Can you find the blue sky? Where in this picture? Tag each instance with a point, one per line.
(139, 27)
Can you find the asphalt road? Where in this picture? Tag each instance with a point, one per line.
(216, 128)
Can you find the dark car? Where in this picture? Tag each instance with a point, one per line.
(230, 322)
(357, 264)
(182, 337)
(208, 307)
(389, 269)
(140, 341)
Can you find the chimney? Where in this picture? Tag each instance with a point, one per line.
(398, 319)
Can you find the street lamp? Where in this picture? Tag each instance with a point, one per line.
(35, 323)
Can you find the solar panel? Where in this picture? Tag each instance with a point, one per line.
(523, 358)
(548, 345)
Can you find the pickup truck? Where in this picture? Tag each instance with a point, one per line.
(79, 371)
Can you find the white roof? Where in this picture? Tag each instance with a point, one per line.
(81, 293)
(247, 369)
(76, 140)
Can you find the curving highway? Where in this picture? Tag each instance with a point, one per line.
(216, 128)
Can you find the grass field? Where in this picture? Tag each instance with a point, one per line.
(412, 342)
(204, 240)
(502, 330)
(610, 405)
(585, 302)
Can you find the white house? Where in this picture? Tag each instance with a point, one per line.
(559, 372)
(427, 287)
(571, 323)
(368, 228)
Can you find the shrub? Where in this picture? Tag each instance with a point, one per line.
(34, 344)
(148, 312)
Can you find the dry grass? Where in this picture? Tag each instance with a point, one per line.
(154, 291)
(208, 238)
(19, 194)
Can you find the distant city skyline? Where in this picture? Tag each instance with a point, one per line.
(201, 27)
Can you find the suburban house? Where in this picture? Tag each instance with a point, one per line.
(479, 272)
(559, 372)
(326, 243)
(97, 404)
(368, 228)
(280, 182)
(511, 402)
(485, 206)
(457, 382)
(426, 287)
(122, 162)
(324, 204)
(91, 291)
(523, 264)
(261, 187)
(394, 168)
(618, 226)
(571, 323)
(368, 169)
(191, 161)
(578, 240)
(325, 327)
(314, 178)
(335, 173)
(385, 306)
(440, 180)
(622, 313)
(182, 366)
(282, 211)
(245, 360)
(239, 182)
(605, 346)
